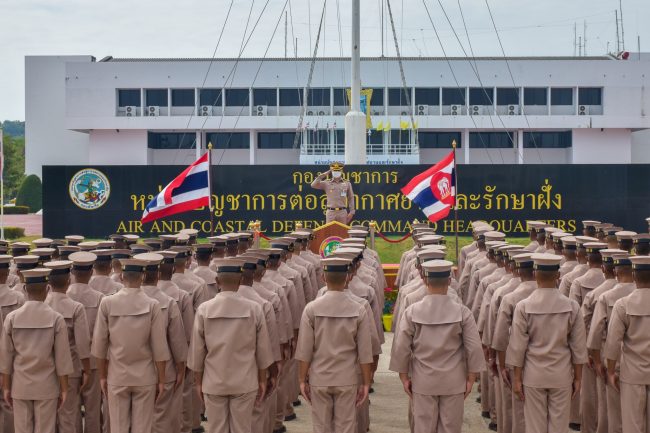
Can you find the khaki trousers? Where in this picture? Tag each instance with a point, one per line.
(603, 424)
(67, 416)
(259, 416)
(614, 421)
(547, 410)
(588, 402)
(336, 215)
(197, 410)
(575, 409)
(6, 418)
(271, 411)
(485, 390)
(518, 414)
(363, 417)
(131, 408)
(167, 410)
(35, 416)
(334, 407)
(229, 413)
(438, 413)
(188, 397)
(283, 396)
(505, 415)
(635, 408)
(91, 400)
(496, 385)
(492, 398)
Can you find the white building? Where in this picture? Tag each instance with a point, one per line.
(550, 110)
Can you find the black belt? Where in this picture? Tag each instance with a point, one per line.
(337, 208)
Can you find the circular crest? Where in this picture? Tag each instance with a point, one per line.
(89, 189)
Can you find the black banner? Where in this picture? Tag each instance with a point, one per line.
(97, 201)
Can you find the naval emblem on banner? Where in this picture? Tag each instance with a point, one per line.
(89, 189)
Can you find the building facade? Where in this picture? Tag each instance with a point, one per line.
(586, 110)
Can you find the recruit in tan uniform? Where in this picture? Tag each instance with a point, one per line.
(340, 197)
(547, 350)
(35, 350)
(74, 314)
(437, 354)
(203, 254)
(101, 280)
(628, 341)
(334, 342)
(130, 345)
(229, 354)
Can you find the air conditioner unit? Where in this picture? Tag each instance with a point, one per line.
(475, 110)
(205, 110)
(321, 113)
(337, 113)
(513, 110)
(375, 113)
(423, 110)
(153, 110)
(260, 110)
(404, 113)
(456, 110)
(310, 113)
(583, 110)
(130, 111)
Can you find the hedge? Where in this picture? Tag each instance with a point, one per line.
(16, 210)
(14, 232)
(30, 193)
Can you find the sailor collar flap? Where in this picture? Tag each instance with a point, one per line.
(88, 297)
(64, 305)
(638, 303)
(34, 315)
(228, 307)
(174, 293)
(547, 301)
(136, 304)
(336, 304)
(155, 293)
(611, 300)
(593, 278)
(436, 310)
(9, 298)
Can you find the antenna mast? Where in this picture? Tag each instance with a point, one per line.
(620, 7)
(355, 120)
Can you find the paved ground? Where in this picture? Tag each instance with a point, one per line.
(33, 224)
(389, 405)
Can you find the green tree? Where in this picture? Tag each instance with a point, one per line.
(14, 165)
(30, 193)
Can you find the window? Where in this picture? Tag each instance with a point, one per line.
(316, 136)
(377, 97)
(268, 97)
(157, 97)
(237, 97)
(453, 96)
(228, 140)
(128, 97)
(427, 96)
(490, 140)
(438, 139)
(318, 97)
(376, 137)
(397, 97)
(590, 96)
(561, 96)
(210, 97)
(535, 96)
(171, 140)
(400, 136)
(548, 139)
(276, 140)
(508, 96)
(480, 96)
(290, 97)
(182, 97)
(341, 98)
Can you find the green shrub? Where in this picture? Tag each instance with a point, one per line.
(16, 210)
(14, 232)
(30, 193)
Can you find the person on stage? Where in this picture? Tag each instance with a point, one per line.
(340, 197)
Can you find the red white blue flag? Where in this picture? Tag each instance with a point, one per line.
(434, 190)
(189, 191)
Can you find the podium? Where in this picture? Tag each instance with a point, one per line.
(327, 237)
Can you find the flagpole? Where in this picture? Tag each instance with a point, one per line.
(210, 208)
(2, 186)
(453, 144)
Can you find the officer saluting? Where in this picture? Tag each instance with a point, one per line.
(340, 197)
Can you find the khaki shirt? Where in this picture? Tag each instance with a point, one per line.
(303, 276)
(627, 337)
(439, 344)
(274, 293)
(501, 334)
(567, 267)
(290, 291)
(532, 246)
(491, 285)
(567, 280)
(334, 338)
(10, 300)
(230, 343)
(74, 315)
(358, 288)
(183, 302)
(130, 333)
(294, 276)
(210, 279)
(547, 337)
(603, 311)
(90, 299)
(585, 283)
(105, 285)
(493, 308)
(192, 286)
(464, 252)
(401, 295)
(12, 280)
(591, 298)
(35, 351)
(250, 293)
(339, 192)
(486, 275)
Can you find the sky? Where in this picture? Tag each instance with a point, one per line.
(192, 28)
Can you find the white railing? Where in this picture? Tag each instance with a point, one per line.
(371, 149)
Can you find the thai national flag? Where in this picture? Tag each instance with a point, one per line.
(189, 191)
(434, 191)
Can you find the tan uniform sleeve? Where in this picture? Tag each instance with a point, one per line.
(62, 355)
(401, 354)
(501, 335)
(198, 350)
(306, 338)
(263, 351)
(575, 292)
(158, 337)
(99, 348)
(577, 339)
(176, 334)
(516, 353)
(187, 314)
(472, 343)
(364, 344)
(597, 328)
(319, 182)
(565, 286)
(374, 337)
(295, 307)
(8, 350)
(272, 328)
(82, 333)
(616, 332)
(350, 194)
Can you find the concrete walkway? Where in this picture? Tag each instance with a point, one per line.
(32, 223)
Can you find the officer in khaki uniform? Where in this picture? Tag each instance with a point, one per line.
(74, 314)
(437, 354)
(35, 359)
(340, 197)
(229, 354)
(547, 339)
(628, 340)
(334, 342)
(130, 345)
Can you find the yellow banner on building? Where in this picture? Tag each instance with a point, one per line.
(366, 98)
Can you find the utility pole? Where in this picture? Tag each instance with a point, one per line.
(580, 46)
(355, 120)
(575, 39)
(618, 38)
(584, 32)
(620, 7)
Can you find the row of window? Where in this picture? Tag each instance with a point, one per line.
(321, 97)
(426, 139)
